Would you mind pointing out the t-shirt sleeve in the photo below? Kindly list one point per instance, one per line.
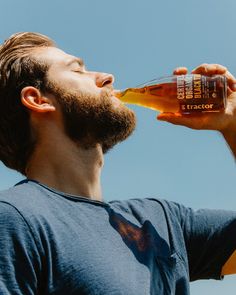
(210, 239)
(19, 257)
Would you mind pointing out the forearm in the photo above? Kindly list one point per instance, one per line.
(230, 138)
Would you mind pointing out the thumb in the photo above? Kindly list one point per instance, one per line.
(196, 121)
(174, 118)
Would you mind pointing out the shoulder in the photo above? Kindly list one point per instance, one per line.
(25, 213)
(16, 232)
(24, 196)
(25, 204)
(22, 190)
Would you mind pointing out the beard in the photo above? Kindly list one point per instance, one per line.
(91, 119)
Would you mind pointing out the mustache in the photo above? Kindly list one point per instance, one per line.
(107, 92)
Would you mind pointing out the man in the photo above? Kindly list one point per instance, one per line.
(58, 236)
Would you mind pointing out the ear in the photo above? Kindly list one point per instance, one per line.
(32, 98)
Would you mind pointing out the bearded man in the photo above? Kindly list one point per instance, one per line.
(58, 235)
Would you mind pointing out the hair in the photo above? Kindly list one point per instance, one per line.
(19, 68)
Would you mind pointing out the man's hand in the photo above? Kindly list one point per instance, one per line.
(224, 121)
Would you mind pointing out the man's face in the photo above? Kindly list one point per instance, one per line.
(91, 113)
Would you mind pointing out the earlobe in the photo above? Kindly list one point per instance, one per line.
(33, 99)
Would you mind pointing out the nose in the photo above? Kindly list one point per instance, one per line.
(104, 79)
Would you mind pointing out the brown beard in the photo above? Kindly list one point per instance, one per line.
(93, 119)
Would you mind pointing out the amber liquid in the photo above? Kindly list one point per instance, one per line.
(192, 94)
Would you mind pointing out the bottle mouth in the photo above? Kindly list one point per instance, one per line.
(117, 93)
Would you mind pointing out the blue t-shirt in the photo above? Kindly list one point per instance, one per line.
(60, 244)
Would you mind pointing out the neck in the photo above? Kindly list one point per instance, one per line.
(68, 168)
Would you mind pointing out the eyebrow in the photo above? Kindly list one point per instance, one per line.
(76, 60)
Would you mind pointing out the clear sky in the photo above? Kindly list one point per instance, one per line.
(139, 40)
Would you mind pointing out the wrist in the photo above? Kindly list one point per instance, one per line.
(230, 138)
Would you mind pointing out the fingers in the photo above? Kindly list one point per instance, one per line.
(210, 69)
(174, 118)
(216, 69)
(180, 71)
(231, 81)
(196, 121)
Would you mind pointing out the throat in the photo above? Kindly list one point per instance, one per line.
(76, 172)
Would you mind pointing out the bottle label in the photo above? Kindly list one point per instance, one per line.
(197, 93)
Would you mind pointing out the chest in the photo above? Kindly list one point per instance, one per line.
(111, 253)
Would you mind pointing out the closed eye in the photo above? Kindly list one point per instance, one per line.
(79, 71)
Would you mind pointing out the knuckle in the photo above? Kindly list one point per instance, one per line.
(204, 65)
(221, 67)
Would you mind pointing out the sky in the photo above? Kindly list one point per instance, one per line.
(137, 41)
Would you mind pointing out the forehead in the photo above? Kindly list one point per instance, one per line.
(53, 56)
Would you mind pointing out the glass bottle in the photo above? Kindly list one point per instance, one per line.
(185, 94)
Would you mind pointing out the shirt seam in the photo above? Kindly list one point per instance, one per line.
(39, 185)
(25, 221)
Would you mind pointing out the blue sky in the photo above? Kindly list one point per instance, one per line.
(137, 41)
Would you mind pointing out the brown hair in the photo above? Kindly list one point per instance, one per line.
(19, 68)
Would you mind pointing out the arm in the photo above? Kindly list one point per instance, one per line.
(230, 138)
(209, 239)
(224, 122)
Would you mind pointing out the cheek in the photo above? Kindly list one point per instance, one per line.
(76, 82)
